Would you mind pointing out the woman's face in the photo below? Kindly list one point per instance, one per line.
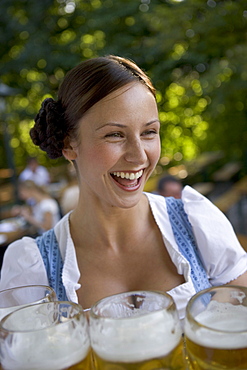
(119, 146)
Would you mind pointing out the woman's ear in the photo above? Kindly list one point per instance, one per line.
(69, 152)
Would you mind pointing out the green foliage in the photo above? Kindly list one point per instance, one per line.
(195, 51)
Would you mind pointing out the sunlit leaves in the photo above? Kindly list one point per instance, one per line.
(15, 51)
(196, 87)
(129, 21)
(62, 22)
(195, 51)
(182, 123)
(66, 37)
(35, 76)
(59, 74)
(20, 15)
(178, 50)
(41, 63)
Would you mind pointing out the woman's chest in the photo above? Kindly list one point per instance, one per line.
(133, 269)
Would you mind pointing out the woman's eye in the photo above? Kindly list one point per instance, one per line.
(114, 134)
(149, 132)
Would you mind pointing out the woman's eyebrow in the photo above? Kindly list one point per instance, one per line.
(114, 124)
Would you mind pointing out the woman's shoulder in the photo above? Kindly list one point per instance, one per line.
(155, 198)
(188, 194)
(62, 233)
(25, 243)
(63, 224)
(24, 250)
(197, 204)
(22, 264)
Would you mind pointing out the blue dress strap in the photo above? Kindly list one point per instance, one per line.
(49, 249)
(184, 237)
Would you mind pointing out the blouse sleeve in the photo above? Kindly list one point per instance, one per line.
(22, 265)
(221, 253)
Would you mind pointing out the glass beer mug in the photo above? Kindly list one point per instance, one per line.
(17, 297)
(137, 330)
(216, 329)
(45, 336)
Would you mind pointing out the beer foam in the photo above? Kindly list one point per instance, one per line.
(135, 339)
(5, 311)
(34, 351)
(223, 326)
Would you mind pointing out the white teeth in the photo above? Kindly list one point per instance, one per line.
(127, 175)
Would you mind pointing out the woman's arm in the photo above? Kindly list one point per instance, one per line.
(241, 280)
(223, 257)
(46, 223)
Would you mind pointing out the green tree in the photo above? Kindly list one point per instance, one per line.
(194, 51)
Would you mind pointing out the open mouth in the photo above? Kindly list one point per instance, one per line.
(127, 179)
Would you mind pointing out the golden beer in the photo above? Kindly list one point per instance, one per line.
(205, 358)
(136, 330)
(172, 361)
(85, 364)
(216, 329)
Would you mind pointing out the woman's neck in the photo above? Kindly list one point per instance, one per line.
(108, 226)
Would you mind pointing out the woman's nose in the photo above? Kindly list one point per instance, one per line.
(135, 152)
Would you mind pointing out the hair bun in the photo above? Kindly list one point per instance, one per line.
(49, 129)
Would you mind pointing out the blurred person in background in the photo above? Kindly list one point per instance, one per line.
(70, 193)
(170, 186)
(41, 211)
(35, 172)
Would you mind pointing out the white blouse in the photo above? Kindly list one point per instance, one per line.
(222, 255)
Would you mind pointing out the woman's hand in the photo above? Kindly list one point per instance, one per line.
(25, 212)
(16, 210)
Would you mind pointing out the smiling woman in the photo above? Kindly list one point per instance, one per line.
(118, 238)
(126, 143)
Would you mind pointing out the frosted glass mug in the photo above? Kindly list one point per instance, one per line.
(45, 336)
(136, 330)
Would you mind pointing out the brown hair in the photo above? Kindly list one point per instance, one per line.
(82, 87)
